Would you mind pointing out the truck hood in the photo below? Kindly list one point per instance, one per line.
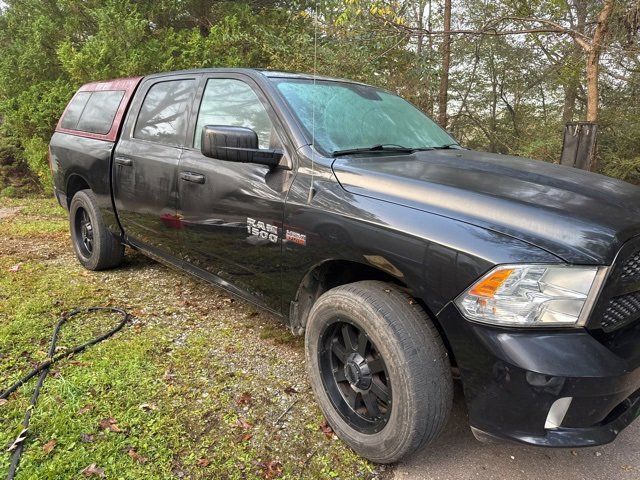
(579, 216)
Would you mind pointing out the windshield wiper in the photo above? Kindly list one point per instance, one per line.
(449, 145)
(376, 148)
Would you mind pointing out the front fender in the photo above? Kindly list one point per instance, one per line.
(434, 256)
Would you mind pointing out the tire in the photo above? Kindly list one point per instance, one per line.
(414, 374)
(94, 244)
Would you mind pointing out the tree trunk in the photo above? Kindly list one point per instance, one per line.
(420, 25)
(569, 107)
(493, 120)
(446, 62)
(593, 60)
(593, 70)
(575, 57)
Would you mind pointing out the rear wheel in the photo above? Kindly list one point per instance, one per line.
(94, 244)
(379, 369)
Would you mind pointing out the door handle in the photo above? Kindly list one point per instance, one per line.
(192, 177)
(126, 162)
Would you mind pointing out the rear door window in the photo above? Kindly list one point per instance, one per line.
(100, 111)
(164, 112)
(74, 110)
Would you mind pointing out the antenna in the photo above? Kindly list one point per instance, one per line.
(313, 104)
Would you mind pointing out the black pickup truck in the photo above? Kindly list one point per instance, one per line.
(405, 260)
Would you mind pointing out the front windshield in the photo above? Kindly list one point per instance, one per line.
(351, 116)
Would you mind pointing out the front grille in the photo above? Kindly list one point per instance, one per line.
(621, 311)
(618, 306)
(631, 267)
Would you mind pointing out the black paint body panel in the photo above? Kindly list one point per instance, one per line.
(74, 156)
(434, 221)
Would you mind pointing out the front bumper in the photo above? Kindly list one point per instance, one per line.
(512, 378)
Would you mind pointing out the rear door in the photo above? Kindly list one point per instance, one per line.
(232, 212)
(145, 169)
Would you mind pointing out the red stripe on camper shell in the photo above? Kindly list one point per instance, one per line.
(128, 85)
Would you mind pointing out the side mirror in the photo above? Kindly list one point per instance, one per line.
(236, 144)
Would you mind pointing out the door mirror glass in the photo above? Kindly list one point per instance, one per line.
(236, 144)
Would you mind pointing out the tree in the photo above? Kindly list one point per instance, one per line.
(446, 65)
(593, 50)
(515, 71)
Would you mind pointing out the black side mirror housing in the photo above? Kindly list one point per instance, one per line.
(236, 144)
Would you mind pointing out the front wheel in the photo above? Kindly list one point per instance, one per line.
(95, 246)
(379, 369)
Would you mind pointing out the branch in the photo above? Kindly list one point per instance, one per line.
(492, 29)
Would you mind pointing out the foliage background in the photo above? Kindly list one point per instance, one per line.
(507, 94)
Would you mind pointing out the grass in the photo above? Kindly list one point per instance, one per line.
(195, 388)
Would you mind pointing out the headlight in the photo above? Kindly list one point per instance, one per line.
(533, 295)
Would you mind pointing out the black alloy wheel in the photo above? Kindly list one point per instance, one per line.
(84, 231)
(355, 376)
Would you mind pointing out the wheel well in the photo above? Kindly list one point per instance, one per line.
(326, 276)
(334, 273)
(74, 185)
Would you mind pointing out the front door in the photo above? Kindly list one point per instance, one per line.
(145, 169)
(231, 213)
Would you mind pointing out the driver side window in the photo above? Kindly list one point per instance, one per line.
(231, 102)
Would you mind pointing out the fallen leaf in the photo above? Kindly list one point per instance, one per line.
(136, 456)
(244, 424)
(326, 429)
(148, 407)
(247, 436)
(204, 462)
(93, 471)
(109, 424)
(272, 469)
(21, 438)
(77, 363)
(15, 268)
(87, 438)
(3, 401)
(49, 446)
(85, 409)
(245, 399)
(290, 391)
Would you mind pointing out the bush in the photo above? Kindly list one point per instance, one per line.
(9, 192)
(35, 153)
